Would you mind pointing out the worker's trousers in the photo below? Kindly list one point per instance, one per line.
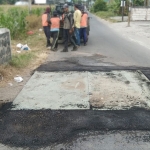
(47, 34)
(55, 35)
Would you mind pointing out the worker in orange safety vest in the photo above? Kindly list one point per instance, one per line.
(46, 25)
(83, 26)
(55, 25)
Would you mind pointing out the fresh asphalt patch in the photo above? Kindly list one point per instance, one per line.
(29, 128)
(75, 66)
(39, 128)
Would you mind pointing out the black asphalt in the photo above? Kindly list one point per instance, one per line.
(38, 128)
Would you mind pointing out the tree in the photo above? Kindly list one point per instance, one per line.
(7, 1)
(100, 5)
(138, 2)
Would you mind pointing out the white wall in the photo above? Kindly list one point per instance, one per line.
(140, 14)
(40, 1)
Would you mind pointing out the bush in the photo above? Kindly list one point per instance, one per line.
(138, 3)
(33, 22)
(37, 11)
(114, 6)
(104, 14)
(15, 20)
(100, 5)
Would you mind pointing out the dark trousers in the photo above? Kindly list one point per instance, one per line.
(77, 35)
(54, 35)
(68, 38)
(47, 34)
(83, 34)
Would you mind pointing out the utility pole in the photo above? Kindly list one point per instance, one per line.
(129, 14)
(122, 4)
(30, 3)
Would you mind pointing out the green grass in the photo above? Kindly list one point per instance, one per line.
(15, 20)
(22, 60)
(106, 15)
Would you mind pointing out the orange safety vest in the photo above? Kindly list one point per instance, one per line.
(44, 20)
(55, 22)
(84, 20)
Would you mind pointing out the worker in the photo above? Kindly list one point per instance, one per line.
(55, 25)
(83, 28)
(68, 29)
(77, 20)
(46, 25)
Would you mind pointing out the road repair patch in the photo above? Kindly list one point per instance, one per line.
(72, 90)
(62, 90)
(28, 128)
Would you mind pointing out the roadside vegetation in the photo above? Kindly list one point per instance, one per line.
(112, 8)
(106, 10)
(20, 23)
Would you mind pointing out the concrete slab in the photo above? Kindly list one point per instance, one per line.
(119, 90)
(115, 90)
(54, 90)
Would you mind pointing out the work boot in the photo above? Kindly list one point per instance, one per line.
(48, 46)
(85, 44)
(64, 50)
(75, 48)
(54, 49)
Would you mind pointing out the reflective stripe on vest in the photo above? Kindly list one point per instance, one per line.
(44, 20)
(55, 23)
(84, 20)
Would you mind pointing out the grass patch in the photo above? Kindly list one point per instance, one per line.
(33, 22)
(106, 15)
(14, 18)
(22, 60)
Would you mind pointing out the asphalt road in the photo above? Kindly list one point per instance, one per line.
(83, 129)
(115, 48)
(106, 48)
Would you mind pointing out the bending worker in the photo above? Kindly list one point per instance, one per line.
(55, 25)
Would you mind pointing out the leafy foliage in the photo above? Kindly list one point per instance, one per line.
(15, 20)
(7, 1)
(138, 3)
(114, 6)
(100, 5)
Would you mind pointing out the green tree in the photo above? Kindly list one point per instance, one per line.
(7, 1)
(138, 2)
(100, 5)
(114, 6)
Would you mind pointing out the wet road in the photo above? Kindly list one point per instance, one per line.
(83, 129)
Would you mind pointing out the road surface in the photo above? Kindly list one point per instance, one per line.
(107, 57)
